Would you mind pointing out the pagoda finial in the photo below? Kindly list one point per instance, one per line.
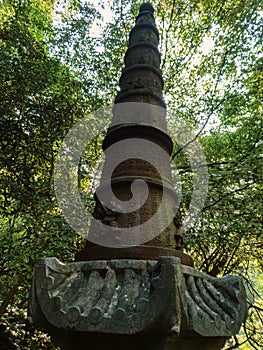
(147, 7)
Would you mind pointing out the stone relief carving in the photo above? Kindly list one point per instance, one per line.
(129, 296)
(104, 214)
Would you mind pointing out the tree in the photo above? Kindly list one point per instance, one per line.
(40, 99)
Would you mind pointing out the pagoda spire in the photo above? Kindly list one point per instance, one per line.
(141, 79)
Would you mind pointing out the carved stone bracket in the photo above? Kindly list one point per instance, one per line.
(216, 306)
(136, 296)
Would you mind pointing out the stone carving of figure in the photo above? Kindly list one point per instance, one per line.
(177, 220)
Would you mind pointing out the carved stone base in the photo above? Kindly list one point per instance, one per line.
(135, 304)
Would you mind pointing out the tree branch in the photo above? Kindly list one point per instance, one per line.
(12, 292)
(166, 34)
(229, 194)
(213, 107)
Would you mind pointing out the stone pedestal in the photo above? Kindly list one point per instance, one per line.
(135, 304)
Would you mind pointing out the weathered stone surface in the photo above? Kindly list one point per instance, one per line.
(141, 79)
(216, 306)
(139, 114)
(118, 296)
(141, 252)
(128, 297)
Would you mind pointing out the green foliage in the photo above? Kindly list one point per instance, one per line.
(54, 70)
(40, 99)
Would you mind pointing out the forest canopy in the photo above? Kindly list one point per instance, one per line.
(59, 61)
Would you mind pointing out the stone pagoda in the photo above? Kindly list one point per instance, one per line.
(132, 287)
